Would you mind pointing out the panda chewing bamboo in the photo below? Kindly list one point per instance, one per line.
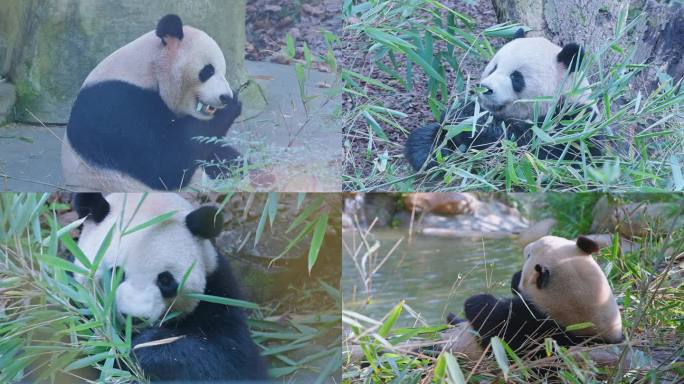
(523, 69)
(206, 341)
(134, 123)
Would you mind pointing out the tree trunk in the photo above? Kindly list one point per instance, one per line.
(658, 35)
(48, 47)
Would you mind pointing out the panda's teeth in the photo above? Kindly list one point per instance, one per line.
(200, 106)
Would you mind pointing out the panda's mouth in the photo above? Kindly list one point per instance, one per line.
(206, 109)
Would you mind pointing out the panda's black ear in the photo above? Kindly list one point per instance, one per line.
(93, 204)
(571, 56)
(205, 222)
(543, 278)
(170, 26)
(587, 245)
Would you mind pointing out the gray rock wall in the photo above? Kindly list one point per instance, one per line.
(47, 47)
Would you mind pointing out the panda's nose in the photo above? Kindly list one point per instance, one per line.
(488, 91)
(226, 98)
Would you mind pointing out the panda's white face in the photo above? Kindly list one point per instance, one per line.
(524, 68)
(566, 282)
(197, 64)
(155, 259)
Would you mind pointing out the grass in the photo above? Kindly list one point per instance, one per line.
(424, 44)
(53, 329)
(647, 283)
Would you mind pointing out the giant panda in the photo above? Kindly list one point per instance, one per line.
(560, 285)
(206, 341)
(133, 122)
(523, 69)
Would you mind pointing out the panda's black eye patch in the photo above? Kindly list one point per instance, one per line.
(517, 81)
(167, 284)
(206, 72)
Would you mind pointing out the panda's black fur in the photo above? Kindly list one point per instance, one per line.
(215, 344)
(122, 127)
(422, 141)
(514, 320)
(214, 340)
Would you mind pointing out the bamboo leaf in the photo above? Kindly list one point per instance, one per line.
(500, 356)
(317, 240)
(390, 320)
(222, 300)
(156, 220)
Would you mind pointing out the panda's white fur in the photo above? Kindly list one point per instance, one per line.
(519, 86)
(577, 292)
(536, 58)
(167, 246)
(206, 341)
(170, 68)
(582, 295)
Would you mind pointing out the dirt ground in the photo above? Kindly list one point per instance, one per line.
(413, 103)
(269, 21)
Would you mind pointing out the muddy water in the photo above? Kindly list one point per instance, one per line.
(434, 275)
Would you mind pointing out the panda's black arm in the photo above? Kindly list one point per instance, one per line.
(217, 153)
(519, 323)
(487, 315)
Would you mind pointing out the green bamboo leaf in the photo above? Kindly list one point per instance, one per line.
(185, 277)
(62, 264)
(391, 319)
(101, 251)
(579, 326)
(374, 125)
(87, 361)
(500, 356)
(317, 240)
(75, 250)
(290, 46)
(334, 364)
(440, 369)
(454, 372)
(222, 300)
(156, 220)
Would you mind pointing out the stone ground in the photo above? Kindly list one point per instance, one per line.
(300, 150)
